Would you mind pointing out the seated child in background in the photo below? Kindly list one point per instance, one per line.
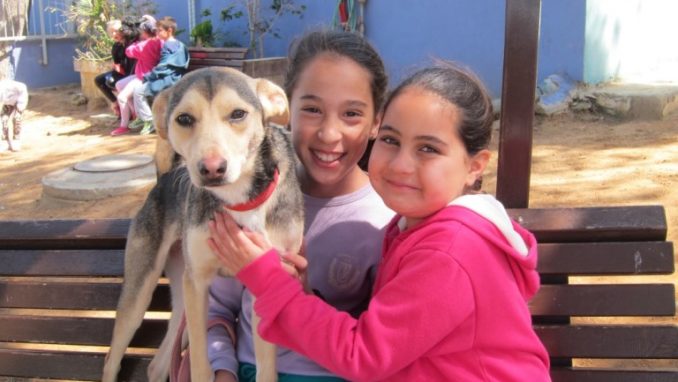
(172, 65)
(122, 65)
(14, 99)
(147, 53)
(450, 298)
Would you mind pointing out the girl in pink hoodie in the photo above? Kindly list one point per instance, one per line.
(450, 297)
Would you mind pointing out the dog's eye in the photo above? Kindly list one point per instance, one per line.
(184, 120)
(237, 115)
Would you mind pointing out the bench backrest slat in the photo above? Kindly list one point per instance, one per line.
(86, 331)
(599, 224)
(604, 300)
(639, 223)
(612, 341)
(64, 234)
(42, 262)
(631, 258)
(71, 295)
(584, 375)
(67, 365)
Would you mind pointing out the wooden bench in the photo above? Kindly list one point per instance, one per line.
(605, 241)
(60, 280)
(206, 57)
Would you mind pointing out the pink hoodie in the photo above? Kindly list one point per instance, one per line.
(449, 304)
(147, 54)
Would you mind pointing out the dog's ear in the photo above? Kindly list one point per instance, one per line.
(274, 102)
(159, 113)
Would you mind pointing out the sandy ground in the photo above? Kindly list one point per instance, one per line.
(57, 135)
(578, 160)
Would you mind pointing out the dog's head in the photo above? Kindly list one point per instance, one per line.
(215, 119)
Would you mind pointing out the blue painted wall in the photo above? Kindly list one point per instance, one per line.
(562, 38)
(409, 35)
(406, 33)
(28, 68)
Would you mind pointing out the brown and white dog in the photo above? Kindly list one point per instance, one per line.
(220, 122)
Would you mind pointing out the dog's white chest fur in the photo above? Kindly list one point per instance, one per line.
(252, 220)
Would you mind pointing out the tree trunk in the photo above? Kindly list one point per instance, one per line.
(13, 17)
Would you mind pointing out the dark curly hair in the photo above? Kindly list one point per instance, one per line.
(130, 29)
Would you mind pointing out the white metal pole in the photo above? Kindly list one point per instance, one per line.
(41, 11)
(191, 16)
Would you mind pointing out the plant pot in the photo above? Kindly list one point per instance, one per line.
(88, 70)
(271, 68)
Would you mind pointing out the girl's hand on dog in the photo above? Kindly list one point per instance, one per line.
(237, 247)
(234, 246)
(295, 265)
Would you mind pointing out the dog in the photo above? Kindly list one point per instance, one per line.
(13, 101)
(221, 123)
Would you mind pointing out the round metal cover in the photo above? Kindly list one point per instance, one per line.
(115, 162)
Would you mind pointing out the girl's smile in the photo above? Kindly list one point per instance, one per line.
(399, 185)
(328, 159)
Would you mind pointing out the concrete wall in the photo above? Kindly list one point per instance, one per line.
(407, 34)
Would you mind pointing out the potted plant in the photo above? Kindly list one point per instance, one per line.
(260, 23)
(93, 52)
(203, 34)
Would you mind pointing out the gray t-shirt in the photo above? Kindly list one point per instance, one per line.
(343, 237)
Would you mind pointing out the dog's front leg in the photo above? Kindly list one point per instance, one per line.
(201, 267)
(265, 354)
(195, 300)
(158, 370)
(143, 267)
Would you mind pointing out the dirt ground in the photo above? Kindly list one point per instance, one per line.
(578, 160)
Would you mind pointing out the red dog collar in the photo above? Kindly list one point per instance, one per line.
(260, 199)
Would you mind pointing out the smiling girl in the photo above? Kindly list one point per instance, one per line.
(336, 84)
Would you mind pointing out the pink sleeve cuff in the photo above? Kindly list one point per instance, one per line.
(262, 273)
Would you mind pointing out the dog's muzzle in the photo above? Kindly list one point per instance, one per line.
(212, 171)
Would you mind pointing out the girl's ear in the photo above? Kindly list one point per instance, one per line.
(374, 129)
(477, 165)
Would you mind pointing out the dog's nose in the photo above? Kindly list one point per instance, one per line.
(212, 168)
